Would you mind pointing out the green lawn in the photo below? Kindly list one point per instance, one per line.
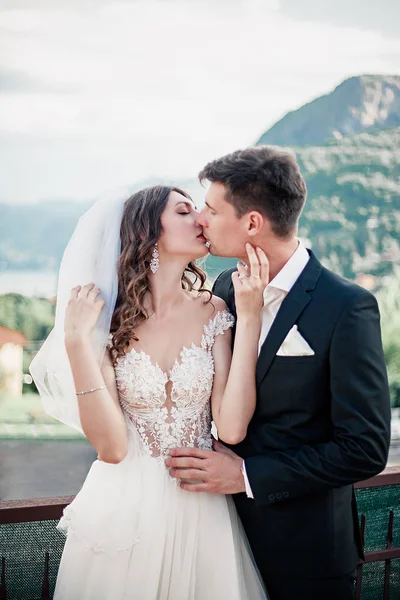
(23, 417)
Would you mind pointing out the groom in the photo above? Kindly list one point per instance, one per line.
(322, 420)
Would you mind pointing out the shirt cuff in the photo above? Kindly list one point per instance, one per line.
(249, 491)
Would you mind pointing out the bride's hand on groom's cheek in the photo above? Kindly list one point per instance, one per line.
(216, 472)
(249, 282)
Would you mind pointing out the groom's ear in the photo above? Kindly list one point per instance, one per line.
(255, 221)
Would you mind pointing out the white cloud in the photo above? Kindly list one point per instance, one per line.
(170, 84)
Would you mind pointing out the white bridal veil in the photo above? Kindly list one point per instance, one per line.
(90, 257)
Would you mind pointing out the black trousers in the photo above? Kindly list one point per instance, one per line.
(296, 588)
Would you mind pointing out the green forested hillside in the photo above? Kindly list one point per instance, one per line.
(352, 215)
(34, 317)
(347, 145)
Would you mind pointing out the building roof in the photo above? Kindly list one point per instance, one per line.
(11, 336)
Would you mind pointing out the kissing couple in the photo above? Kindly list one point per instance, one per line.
(283, 356)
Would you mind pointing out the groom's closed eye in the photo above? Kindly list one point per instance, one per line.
(210, 208)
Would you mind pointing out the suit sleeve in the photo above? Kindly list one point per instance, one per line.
(360, 413)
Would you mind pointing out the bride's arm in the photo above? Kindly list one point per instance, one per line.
(100, 413)
(233, 399)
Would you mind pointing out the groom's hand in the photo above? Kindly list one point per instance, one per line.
(219, 472)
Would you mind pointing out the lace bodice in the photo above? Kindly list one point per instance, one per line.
(171, 411)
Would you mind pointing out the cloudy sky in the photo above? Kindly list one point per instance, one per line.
(98, 94)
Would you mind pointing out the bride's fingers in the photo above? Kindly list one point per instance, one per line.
(262, 257)
(235, 280)
(85, 290)
(75, 291)
(241, 270)
(253, 261)
(92, 295)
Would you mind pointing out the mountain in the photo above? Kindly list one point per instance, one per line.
(352, 213)
(347, 144)
(348, 147)
(358, 104)
(33, 236)
(351, 218)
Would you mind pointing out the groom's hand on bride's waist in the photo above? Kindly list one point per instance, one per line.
(216, 472)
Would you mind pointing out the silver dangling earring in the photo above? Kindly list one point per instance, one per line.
(155, 261)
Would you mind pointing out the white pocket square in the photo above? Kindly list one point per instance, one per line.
(295, 345)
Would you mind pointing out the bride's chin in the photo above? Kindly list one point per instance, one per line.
(200, 254)
(205, 253)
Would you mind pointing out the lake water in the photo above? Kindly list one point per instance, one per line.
(29, 283)
(44, 283)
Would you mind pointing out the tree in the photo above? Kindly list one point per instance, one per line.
(34, 317)
(389, 303)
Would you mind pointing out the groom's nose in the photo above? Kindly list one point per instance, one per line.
(200, 219)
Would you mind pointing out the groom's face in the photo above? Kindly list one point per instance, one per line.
(224, 230)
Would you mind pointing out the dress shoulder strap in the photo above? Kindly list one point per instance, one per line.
(222, 321)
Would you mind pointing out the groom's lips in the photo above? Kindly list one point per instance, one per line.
(201, 237)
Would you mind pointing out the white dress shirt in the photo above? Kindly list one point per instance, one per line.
(274, 294)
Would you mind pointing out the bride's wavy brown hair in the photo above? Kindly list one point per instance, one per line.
(140, 230)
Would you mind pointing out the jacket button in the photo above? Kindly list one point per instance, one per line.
(271, 497)
(286, 494)
(278, 496)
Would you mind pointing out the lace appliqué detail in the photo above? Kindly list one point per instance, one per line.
(181, 416)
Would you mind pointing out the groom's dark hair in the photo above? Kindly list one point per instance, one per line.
(262, 178)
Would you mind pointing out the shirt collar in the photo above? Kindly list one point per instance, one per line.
(288, 275)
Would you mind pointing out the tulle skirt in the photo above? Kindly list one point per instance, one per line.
(134, 534)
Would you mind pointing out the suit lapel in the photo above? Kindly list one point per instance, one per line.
(291, 308)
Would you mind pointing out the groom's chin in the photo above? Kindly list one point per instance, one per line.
(217, 252)
(213, 251)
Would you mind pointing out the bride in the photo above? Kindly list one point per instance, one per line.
(140, 360)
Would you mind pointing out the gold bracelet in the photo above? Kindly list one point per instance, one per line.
(90, 391)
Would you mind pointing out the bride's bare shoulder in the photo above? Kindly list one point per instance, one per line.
(210, 306)
(219, 304)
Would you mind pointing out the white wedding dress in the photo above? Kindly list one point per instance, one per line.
(132, 532)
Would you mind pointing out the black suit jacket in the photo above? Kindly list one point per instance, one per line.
(321, 423)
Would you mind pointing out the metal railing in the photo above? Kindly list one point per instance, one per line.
(391, 476)
(45, 509)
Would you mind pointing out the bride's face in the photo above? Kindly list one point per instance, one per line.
(181, 235)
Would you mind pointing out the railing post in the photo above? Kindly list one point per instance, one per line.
(3, 588)
(360, 565)
(45, 585)
(389, 544)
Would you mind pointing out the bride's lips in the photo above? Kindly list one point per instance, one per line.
(201, 237)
